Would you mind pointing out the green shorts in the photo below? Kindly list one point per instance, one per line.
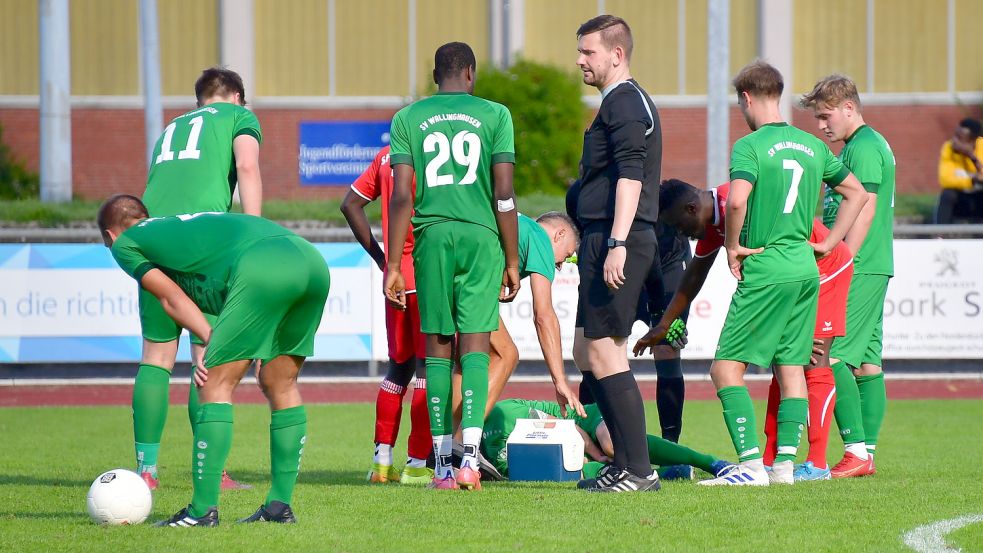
(770, 324)
(157, 326)
(458, 278)
(864, 322)
(276, 297)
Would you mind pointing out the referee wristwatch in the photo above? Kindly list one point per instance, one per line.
(615, 243)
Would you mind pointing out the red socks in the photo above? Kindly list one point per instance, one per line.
(420, 442)
(822, 398)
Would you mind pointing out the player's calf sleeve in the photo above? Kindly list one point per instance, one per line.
(474, 389)
(418, 446)
(621, 390)
(847, 411)
(822, 400)
(792, 413)
(388, 411)
(439, 395)
(771, 422)
(739, 417)
(213, 440)
(873, 406)
(150, 395)
(670, 392)
(288, 434)
(588, 384)
(194, 406)
(664, 453)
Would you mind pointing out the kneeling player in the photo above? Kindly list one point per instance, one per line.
(835, 273)
(597, 438)
(220, 263)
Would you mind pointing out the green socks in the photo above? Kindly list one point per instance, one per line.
(662, 452)
(194, 407)
(873, 405)
(792, 415)
(150, 395)
(288, 434)
(474, 389)
(739, 416)
(847, 410)
(439, 395)
(213, 440)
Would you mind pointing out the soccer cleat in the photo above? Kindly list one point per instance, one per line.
(738, 475)
(605, 476)
(718, 467)
(485, 467)
(677, 472)
(851, 466)
(872, 470)
(381, 474)
(807, 471)
(182, 519)
(416, 475)
(447, 483)
(469, 479)
(277, 511)
(781, 473)
(151, 482)
(229, 484)
(625, 481)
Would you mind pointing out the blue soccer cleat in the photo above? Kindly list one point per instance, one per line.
(807, 471)
(677, 472)
(718, 466)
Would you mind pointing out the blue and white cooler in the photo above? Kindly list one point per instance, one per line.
(545, 449)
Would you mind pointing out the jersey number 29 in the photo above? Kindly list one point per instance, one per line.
(190, 150)
(465, 148)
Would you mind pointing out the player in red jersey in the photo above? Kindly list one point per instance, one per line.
(700, 214)
(835, 274)
(406, 344)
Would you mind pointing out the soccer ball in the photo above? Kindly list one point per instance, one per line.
(119, 496)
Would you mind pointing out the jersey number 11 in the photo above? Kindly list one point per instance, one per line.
(190, 150)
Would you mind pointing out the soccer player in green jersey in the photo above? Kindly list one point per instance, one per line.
(776, 174)
(461, 150)
(861, 397)
(267, 288)
(195, 167)
(598, 444)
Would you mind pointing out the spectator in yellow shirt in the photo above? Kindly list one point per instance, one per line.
(960, 171)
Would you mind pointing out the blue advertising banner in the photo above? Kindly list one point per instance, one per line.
(335, 153)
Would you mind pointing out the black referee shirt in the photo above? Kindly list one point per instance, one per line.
(623, 141)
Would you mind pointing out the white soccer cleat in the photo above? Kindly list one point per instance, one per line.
(782, 473)
(738, 475)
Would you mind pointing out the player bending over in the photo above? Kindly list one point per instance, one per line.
(220, 263)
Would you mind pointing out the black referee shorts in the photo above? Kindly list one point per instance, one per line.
(601, 311)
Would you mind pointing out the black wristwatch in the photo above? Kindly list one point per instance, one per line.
(615, 243)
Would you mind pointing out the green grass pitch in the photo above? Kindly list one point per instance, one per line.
(928, 470)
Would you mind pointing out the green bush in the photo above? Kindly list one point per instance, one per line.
(549, 117)
(16, 182)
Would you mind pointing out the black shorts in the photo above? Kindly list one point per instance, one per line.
(601, 311)
(675, 255)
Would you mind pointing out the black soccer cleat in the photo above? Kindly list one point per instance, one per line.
(625, 481)
(182, 519)
(276, 512)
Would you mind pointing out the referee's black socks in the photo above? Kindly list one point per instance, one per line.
(625, 418)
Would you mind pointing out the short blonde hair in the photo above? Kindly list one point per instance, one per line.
(830, 92)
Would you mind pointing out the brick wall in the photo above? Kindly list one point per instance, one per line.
(108, 144)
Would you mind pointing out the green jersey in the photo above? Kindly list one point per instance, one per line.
(786, 167)
(501, 422)
(868, 156)
(192, 169)
(535, 251)
(197, 251)
(452, 140)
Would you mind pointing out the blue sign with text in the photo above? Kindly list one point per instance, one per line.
(336, 152)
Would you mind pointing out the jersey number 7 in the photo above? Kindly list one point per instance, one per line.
(793, 191)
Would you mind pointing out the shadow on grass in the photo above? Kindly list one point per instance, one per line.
(80, 516)
(330, 477)
(32, 480)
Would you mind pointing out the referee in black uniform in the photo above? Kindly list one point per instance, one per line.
(618, 207)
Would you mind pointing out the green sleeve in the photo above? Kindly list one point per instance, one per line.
(743, 161)
(399, 141)
(248, 124)
(535, 251)
(868, 167)
(833, 169)
(593, 420)
(503, 149)
(128, 256)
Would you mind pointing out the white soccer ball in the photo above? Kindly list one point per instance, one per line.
(119, 496)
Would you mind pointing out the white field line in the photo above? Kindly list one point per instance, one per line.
(930, 538)
(375, 379)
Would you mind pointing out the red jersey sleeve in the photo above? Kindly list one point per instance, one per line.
(367, 184)
(713, 237)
